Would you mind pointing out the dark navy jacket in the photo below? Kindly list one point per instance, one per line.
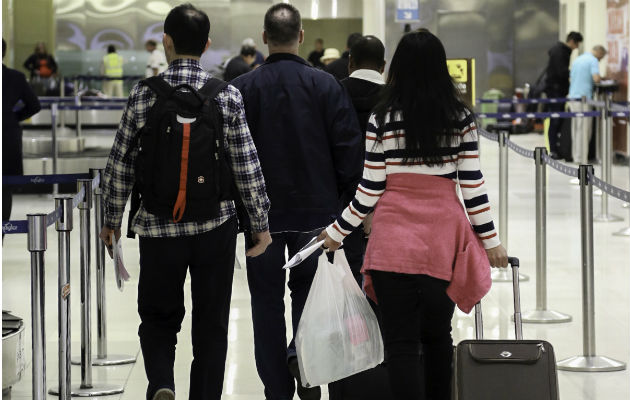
(308, 140)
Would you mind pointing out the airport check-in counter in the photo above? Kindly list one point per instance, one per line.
(80, 146)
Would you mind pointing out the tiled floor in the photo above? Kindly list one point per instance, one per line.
(612, 269)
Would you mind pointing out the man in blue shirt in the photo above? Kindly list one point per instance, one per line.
(584, 74)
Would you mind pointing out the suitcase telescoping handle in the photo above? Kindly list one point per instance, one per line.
(518, 323)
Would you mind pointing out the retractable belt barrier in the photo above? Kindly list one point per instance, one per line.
(589, 360)
(35, 226)
(560, 114)
(558, 100)
(77, 100)
(104, 78)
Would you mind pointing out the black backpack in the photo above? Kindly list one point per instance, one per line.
(182, 173)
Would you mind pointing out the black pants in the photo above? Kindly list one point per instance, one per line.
(555, 127)
(416, 312)
(164, 263)
(266, 280)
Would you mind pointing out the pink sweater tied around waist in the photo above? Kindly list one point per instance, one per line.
(420, 227)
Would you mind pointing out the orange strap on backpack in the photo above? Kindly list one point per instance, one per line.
(180, 204)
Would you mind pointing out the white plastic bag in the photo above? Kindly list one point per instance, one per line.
(338, 334)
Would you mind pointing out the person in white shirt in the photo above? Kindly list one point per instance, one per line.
(156, 63)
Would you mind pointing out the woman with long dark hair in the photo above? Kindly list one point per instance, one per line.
(426, 251)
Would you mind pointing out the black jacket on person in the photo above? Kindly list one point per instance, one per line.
(558, 70)
(339, 67)
(235, 68)
(18, 103)
(315, 59)
(33, 63)
(308, 141)
(364, 95)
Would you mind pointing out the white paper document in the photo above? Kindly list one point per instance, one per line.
(303, 254)
(120, 271)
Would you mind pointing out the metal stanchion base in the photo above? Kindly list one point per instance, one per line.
(545, 317)
(505, 275)
(591, 364)
(623, 232)
(111, 359)
(607, 218)
(96, 390)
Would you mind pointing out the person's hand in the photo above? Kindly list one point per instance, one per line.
(262, 240)
(106, 237)
(367, 224)
(497, 256)
(329, 244)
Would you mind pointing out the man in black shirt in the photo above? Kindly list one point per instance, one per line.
(240, 64)
(314, 57)
(339, 68)
(558, 83)
(18, 103)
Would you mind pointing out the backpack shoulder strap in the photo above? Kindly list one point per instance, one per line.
(213, 87)
(159, 86)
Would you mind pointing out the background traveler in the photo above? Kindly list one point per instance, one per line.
(240, 64)
(310, 150)
(421, 140)
(584, 74)
(112, 67)
(205, 247)
(18, 103)
(315, 55)
(557, 84)
(40, 63)
(339, 68)
(156, 64)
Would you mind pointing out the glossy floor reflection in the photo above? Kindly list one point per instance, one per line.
(612, 269)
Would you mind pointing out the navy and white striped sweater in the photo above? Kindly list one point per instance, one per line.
(384, 157)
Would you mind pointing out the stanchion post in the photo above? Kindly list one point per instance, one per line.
(87, 387)
(589, 360)
(101, 311)
(37, 247)
(64, 227)
(502, 274)
(86, 285)
(606, 161)
(54, 112)
(626, 231)
(542, 314)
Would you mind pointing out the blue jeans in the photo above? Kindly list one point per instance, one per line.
(266, 280)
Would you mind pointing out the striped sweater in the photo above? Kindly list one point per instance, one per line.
(383, 157)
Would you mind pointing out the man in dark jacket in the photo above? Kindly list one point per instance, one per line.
(18, 103)
(367, 63)
(557, 84)
(309, 144)
(339, 68)
(240, 64)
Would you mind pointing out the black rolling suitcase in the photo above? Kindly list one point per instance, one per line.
(506, 369)
(565, 141)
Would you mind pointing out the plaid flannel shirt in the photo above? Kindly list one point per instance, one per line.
(119, 174)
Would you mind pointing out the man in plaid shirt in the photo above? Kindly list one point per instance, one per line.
(168, 249)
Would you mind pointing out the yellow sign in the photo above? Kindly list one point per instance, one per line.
(458, 69)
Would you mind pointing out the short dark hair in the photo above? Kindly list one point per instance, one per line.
(189, 28)
(283, 23)
(151, 42)
(368, 52)
(111, 49)
(353, 38)
(248, 51)
(575, 36)
(319, 40)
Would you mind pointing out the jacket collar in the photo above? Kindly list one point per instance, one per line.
(184, 63)
(368, 75)
(285, 56)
